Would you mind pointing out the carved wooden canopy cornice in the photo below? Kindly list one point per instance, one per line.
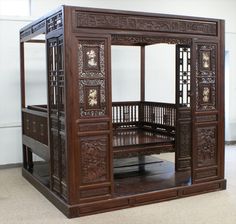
(150, 23)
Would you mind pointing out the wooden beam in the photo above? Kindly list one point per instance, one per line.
(36, 41)
(142, 78)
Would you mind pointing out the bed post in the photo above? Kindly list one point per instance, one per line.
(141, 158)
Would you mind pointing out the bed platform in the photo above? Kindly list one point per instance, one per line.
(98, 155)
(138, 129)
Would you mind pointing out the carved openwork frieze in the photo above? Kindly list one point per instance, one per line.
(206, 146)
(206, 77)
(143, 23)
(146, 40)
(93, 159)
(54, 22)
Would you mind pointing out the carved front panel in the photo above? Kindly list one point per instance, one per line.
(143, 23)
(92, 78)
(206, 146)
(94, 155)
(206, 77)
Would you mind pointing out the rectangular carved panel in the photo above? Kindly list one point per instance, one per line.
(206, 173)
(94, 152)
(205, 118)
(143, 23)
(206, 146)
(92, 78)
(98, 126)
(35, 126)
(94, 192)
(206, 77)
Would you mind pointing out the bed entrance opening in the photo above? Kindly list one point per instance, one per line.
(144, 117)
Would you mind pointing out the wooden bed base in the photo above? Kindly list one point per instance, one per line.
(85, 139)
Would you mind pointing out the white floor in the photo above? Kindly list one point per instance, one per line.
(21, 203)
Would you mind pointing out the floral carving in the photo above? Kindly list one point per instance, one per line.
(94, 159)
(206, 147)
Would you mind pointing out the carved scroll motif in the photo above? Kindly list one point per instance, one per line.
(143, 23)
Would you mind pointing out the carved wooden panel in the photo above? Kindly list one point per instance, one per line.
(94, 158)
(92, 78)
(206, 146)
(143, 23)
(121, 39)
(94, 192)
(35, 126)
(206, 173)
(206, 118)
(206, 77)
(54, 22)
(185, 139)
(98, 126)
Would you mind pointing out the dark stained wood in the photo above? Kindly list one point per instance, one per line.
(87, 134)
(158, 175)
(142, 78)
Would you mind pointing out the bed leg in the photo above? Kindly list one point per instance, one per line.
(29, 159)
(25, 160)
(141, 160)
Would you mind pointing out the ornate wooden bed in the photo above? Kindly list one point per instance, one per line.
(80, 133)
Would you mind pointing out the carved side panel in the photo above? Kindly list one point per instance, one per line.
(93, 117)
(206, 77)
(206, 113)
(92, 79)
(206, 146)
(94, 151)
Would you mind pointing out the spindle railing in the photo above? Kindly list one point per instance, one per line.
(154, 115)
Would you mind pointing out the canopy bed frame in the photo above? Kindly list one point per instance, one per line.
(81, 133)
